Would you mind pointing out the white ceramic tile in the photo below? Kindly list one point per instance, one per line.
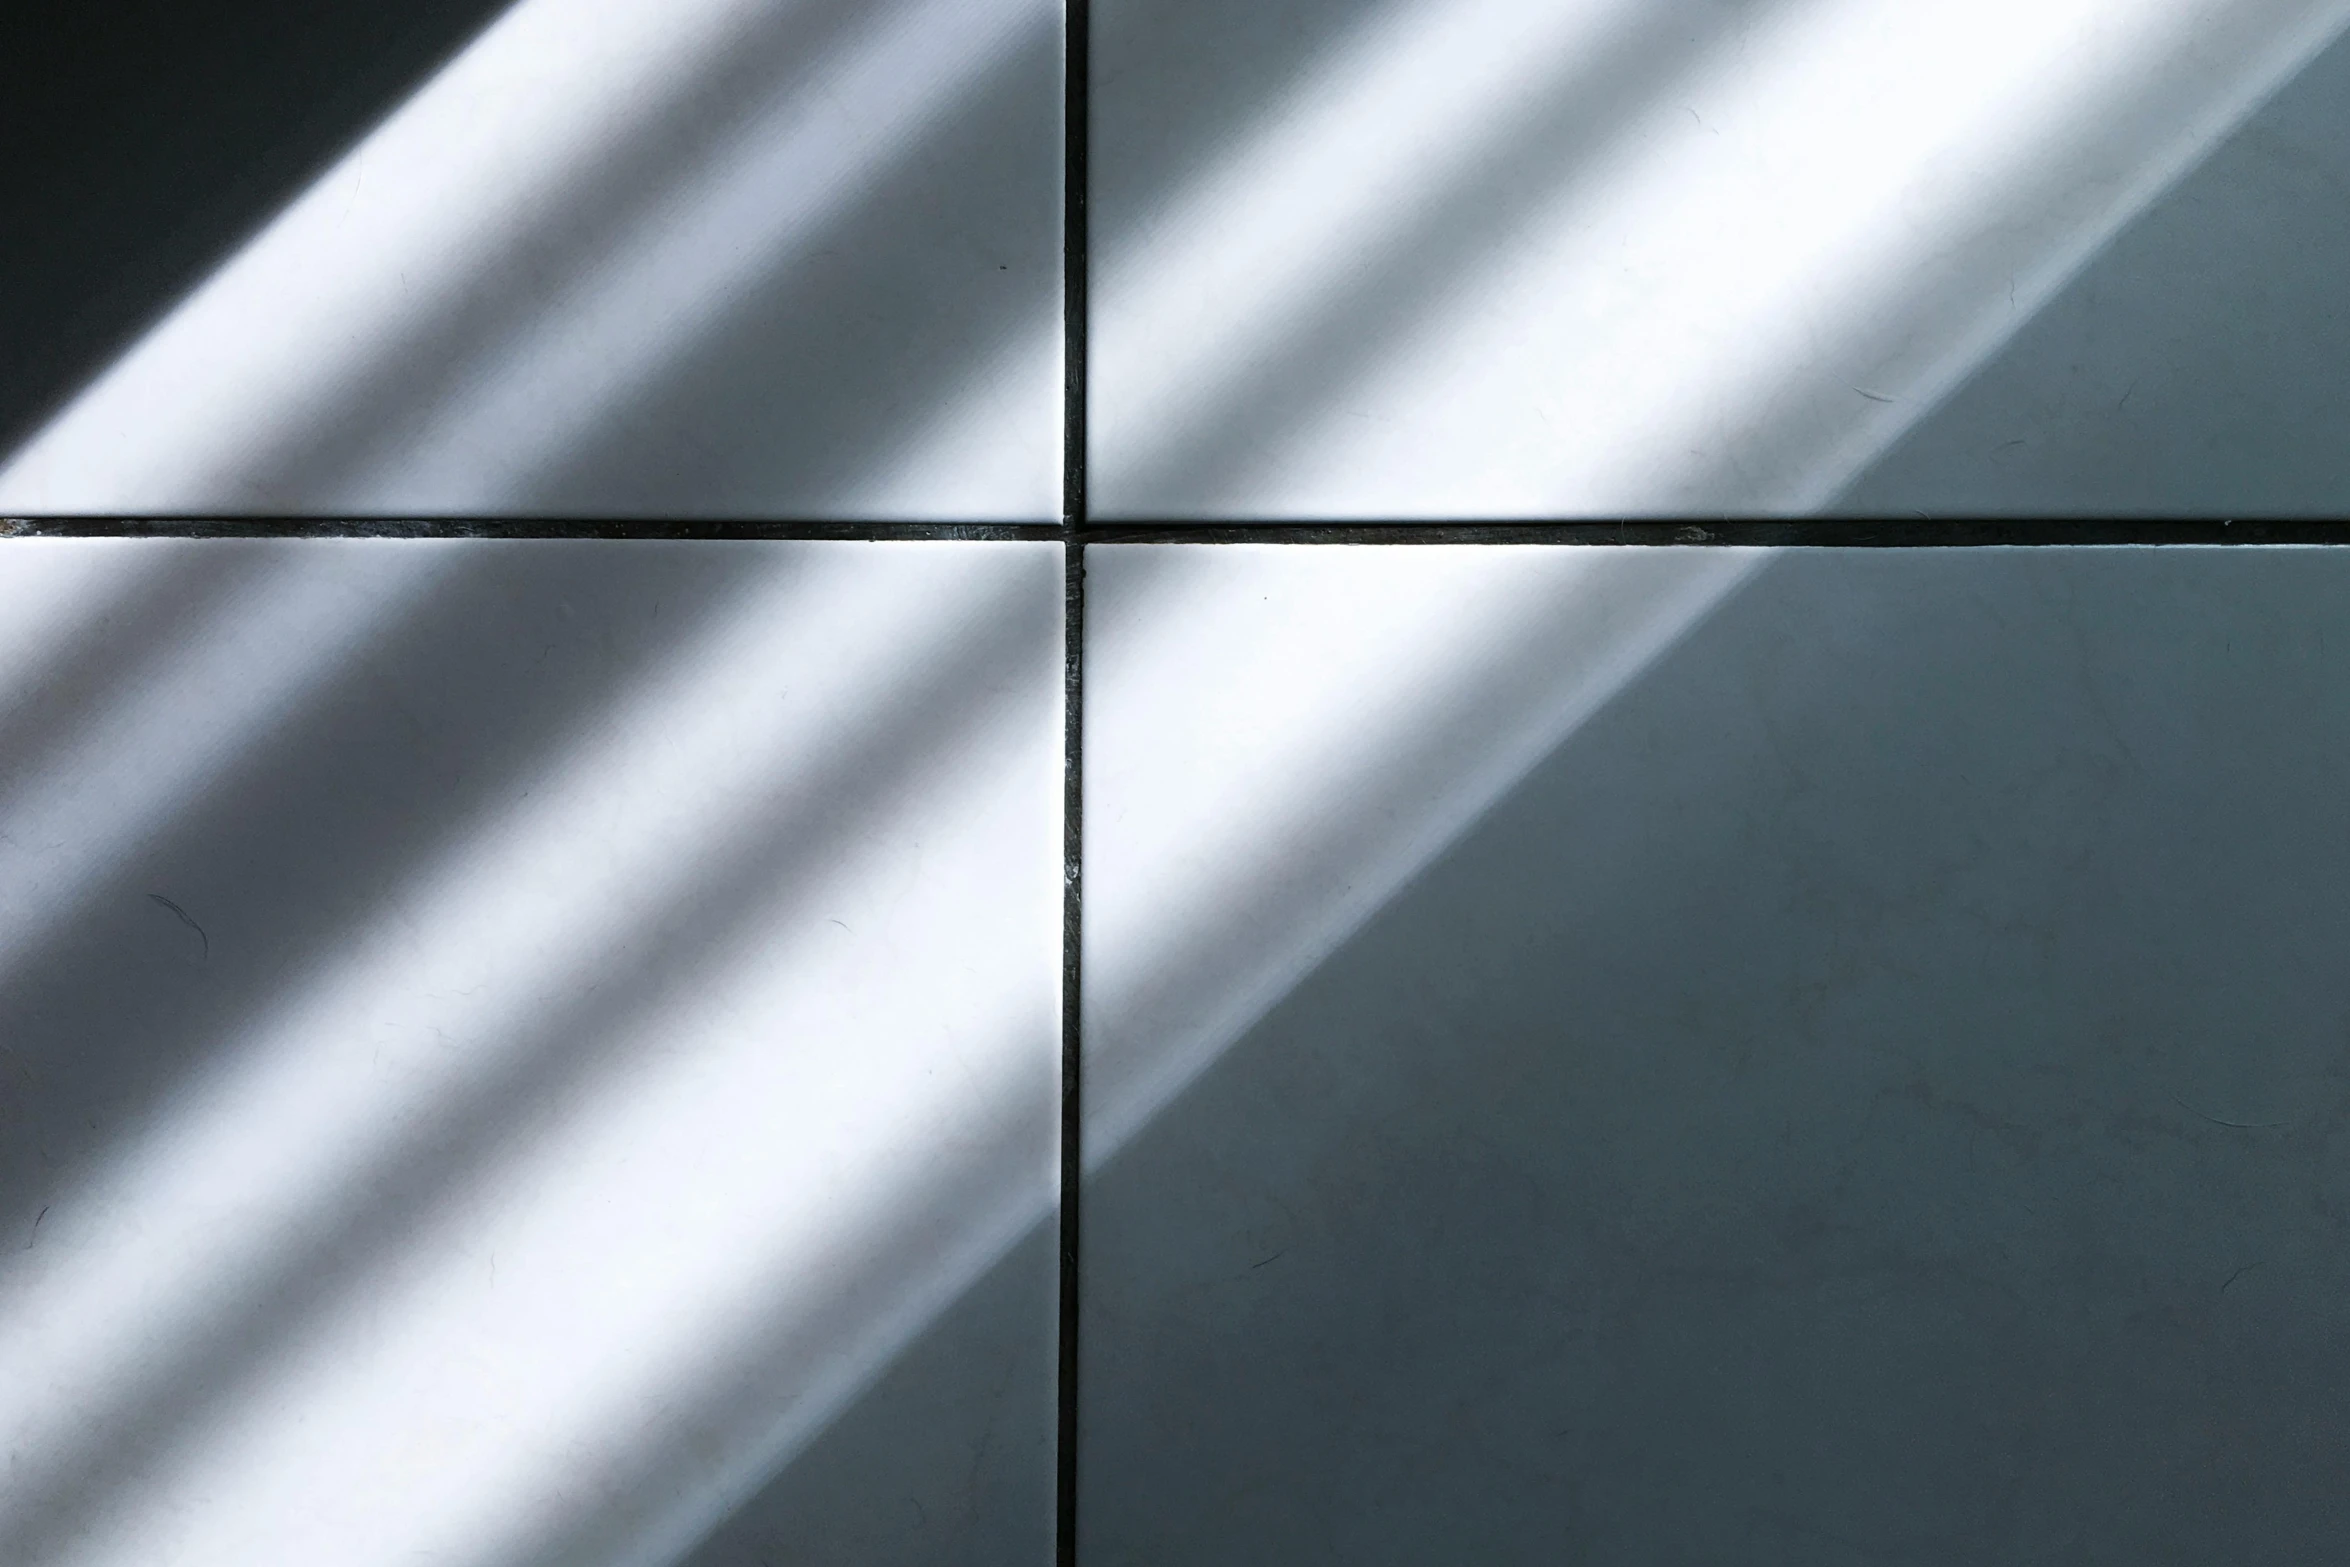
(2194, 366)
(528, 1052)
(1669, 1055)
(633, 258)
(1485, 258)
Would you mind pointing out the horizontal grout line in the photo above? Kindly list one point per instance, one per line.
(1811, 533)
(517, 528)
(1819, 533)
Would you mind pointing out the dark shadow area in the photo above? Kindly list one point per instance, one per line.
(1358, 317)
(662, 950)
(2200, 365)
(1875, 1094)
(141, 140)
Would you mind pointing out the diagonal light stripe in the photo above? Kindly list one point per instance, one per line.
(772, 1112)
(461, 185)
(1727, 300)
(1340, 716)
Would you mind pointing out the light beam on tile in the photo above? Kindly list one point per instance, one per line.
(756, 1136)
(1192, 295)
(1727, 301)
(448, 189)
(768, 195)
(1279, 738)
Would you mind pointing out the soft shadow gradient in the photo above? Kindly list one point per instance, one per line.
(2194, 368)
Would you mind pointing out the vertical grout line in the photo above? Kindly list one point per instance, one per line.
(1075, 124)
(1075, 251)
(1072, 1121)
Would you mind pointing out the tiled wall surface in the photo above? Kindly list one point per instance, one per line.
(1846, 1062)
(552, 1051)
(1436, 259)
(511, 1045)
(637, 258)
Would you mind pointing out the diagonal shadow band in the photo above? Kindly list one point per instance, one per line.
(382, 403)
(321, 821)
(1179, 82)
(1357, 317)
(1429, 748)
(1789, 440)
(252, 160)
(877, 319)
(961, 687)
(946, 1457)
(957, 1373)
(141, 623)
(831, 312)
(877, 1483)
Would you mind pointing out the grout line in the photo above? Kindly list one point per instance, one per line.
(1072, 1057)
(1076, 126)
(1832, 533)
(1076, 254)
(516, 528)
(1076, 531)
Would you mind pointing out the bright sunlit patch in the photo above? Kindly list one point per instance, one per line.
(1800, 235)
(1760, 287)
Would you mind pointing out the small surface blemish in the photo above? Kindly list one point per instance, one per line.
(182, 916)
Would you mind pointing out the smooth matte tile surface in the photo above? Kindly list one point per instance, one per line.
(1482, 258)
(636, 258)
(511, 1047)
(1835, 1057)
(2197, 365)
